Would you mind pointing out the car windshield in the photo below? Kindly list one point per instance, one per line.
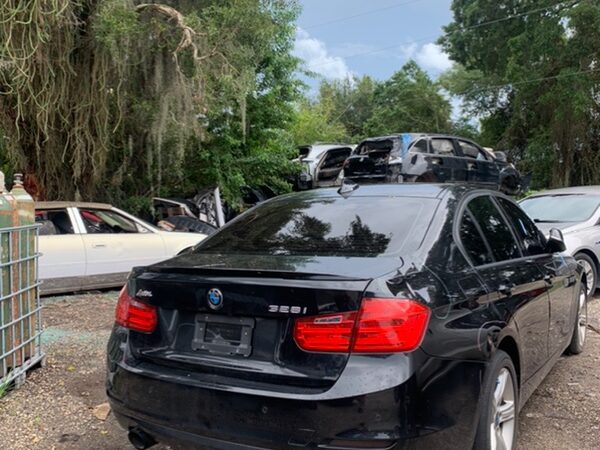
(325, 226)
(561, 208)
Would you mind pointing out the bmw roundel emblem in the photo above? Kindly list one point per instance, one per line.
(215, 298)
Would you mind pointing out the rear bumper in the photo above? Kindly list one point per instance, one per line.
(435, 408)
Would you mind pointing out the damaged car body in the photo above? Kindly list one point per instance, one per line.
(321, 164)
(384, 318)
(419, 157)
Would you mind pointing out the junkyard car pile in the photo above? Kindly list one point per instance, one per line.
(408, 157)
(384, 316)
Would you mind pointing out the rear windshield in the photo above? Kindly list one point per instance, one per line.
(332, 226)
(561, 208)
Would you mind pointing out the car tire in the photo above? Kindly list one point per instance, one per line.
(498, 405)
(591, 273)
(580, 327)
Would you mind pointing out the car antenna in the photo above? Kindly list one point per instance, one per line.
(347, 188)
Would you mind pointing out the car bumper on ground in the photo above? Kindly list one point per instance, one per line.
(425, 413)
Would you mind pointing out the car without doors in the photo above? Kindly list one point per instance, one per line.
(576, 212)
(418, 157)
(94, 245)
(321, 164)
(379, 317)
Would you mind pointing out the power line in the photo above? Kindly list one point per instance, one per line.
(528, 81)
(471, 27)
(365, 13)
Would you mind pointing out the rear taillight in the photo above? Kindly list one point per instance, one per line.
(135, 315)
(326, 333)
(381, 325)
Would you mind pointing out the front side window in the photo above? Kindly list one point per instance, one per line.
(471, 151)
(100, 221)
(531, 238)
(495, 230)
(444, 147)
(420, 146)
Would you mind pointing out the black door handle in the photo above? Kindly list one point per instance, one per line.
(548, 279)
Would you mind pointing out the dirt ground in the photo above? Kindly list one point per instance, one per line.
(54, 409)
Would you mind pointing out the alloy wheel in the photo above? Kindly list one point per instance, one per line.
(502, 427)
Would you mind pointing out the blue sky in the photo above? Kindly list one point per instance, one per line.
(377, 42)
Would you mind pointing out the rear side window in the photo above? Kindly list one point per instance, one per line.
(443, 147)
(303, 225)
(495, 230)
(476, 247)
(529, 235)
(53, 221)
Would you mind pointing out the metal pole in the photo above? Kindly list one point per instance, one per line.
(219, 208)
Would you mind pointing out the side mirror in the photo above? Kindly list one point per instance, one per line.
(556, 242)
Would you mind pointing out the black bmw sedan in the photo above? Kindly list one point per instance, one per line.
(382, 317)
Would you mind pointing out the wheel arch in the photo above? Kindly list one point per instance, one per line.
(510, 347)
(590, 254)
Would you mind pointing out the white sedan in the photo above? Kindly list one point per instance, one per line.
(94, 245)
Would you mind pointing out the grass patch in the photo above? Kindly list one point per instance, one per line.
(4, 385)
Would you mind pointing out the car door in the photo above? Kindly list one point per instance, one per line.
(331, 165)
(444, 161)
(62, 264)
(115, 243)
(555, 269)
(480, 168)
(516, 286)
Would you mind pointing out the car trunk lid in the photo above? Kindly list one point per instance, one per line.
(247, 335)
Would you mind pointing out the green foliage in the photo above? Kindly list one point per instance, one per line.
(351, 101)
(409, 101)
(317, 122)
(121, 100)
(5, 385)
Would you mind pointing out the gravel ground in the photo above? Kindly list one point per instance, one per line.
(55, 407)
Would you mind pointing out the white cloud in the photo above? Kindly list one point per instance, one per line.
(431, 57)
(408, 51)
(314, 52)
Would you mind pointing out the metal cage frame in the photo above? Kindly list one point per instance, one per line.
(21, 333)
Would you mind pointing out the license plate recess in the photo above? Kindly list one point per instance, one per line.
(222, 335)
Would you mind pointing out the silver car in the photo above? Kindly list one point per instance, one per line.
(321, 164)
(576, 212)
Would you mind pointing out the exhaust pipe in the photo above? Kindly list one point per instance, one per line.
(140, 439)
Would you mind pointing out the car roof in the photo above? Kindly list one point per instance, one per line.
(414, 136)
(423, 190)
(583, 190)
(318, 148)
(61, 205)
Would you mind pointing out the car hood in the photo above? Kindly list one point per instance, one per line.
(565, 227)
(351, 267)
